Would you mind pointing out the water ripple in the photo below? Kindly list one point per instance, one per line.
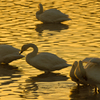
(72, 40)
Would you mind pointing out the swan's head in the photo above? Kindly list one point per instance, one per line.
(40, 6)
(75, 64)
(24, 48)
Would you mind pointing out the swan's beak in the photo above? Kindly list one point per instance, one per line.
(20, 52)
(69, 65)
(69, 19)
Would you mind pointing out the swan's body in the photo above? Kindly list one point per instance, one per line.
(75, 74)
(51, 15)
(92, 73)
(44, 61)
(9, 54)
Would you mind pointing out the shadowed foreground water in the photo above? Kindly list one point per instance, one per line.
(71, 40)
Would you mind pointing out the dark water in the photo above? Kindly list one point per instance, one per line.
(72, 40)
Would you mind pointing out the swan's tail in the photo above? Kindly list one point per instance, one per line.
(61, 66)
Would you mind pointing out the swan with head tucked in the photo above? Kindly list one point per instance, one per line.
(75, 74)
(91, 72)
(8, 54)
(80, 73)
(43, 61)
(51, 15)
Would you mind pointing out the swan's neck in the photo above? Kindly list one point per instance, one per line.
(82, 70)
(73, 68)
(40, 11)
(41, 8)
(33, 53)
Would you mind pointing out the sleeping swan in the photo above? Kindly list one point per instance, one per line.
(75, 74)
(51, 15)
(8, 54)
(91, 72)
(43, 61)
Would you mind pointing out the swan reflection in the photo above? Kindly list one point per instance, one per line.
(49, 77)
(9, 53)
(29, 90)
(83, 93)
(51, 27)
(7, 72)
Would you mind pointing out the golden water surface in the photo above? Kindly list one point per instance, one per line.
(71, 40)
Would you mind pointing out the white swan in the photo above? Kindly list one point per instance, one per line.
(75, 74)
(8, 54)
(91, 73)
(43, 61)
(51, 15)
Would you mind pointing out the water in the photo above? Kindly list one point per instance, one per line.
(72, 40)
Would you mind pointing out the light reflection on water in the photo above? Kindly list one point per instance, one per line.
(72, 40)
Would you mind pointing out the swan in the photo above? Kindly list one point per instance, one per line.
(51, 15)
(43, 61)
(91, 73)
(8, 54)
(74, 70)
(49, 77)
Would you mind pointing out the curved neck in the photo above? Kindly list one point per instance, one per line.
(34, 52)
(82, 70)
(73, 68)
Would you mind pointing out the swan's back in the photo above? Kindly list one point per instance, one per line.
(9, 53)
(93, 72)
(53, 15)
(8, 49)
(47, 61)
